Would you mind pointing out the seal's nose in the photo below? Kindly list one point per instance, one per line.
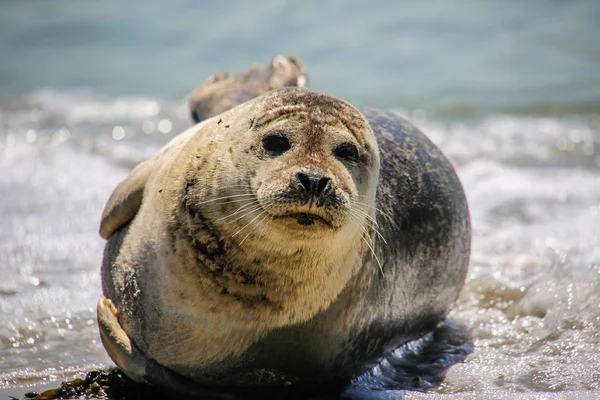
(311, 183)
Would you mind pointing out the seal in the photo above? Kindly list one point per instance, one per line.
(224, 90)
(293, 241)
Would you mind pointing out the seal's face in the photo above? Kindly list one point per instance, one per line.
(309, 172)
(279, 175)
(315, 163)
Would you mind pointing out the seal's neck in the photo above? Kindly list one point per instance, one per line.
(268, 278)
(299, 278)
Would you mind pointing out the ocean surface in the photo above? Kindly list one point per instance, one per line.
(509, 90)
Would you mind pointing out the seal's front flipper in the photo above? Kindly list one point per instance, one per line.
(116, 342)
(125, 200)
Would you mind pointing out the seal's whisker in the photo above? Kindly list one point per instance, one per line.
(363, 229)
(256, 208)
(242, 208)
(352, 201)
(251, 221)
(374, 255)
(358, 228)
(225, 197)
(229, 202)
(378, 210)
(257, 224)
(371, 207)
(363, 196)
(367, 215)
(369, 244)
(370, 220)
(371, 225)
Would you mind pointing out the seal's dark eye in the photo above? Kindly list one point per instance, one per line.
(276, 143)
(346, 152)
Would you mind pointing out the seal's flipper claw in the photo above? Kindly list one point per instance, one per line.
(118, 345)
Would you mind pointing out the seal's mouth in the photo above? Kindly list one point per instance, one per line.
(306, 219)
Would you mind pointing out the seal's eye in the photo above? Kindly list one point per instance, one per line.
(276, 143)
(346, 152)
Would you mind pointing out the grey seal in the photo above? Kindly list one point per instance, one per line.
(292, 239)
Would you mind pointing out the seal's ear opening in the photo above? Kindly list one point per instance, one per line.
(125, 200)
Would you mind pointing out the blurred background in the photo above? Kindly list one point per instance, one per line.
(452, 57)
(509, 90)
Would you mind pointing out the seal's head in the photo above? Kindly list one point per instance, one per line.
(310, 167)
(224, 90)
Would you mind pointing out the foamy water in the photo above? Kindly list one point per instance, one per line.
(531, 300)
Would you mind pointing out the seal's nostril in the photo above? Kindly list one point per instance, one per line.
(304, 182)
(323, 186)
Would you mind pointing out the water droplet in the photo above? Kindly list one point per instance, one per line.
(148, 126)
(165, 126)
(64, 134)
(152, 108)
(31, 136)
(562, 143)
(118, 132)
(60, 136)
(575, 135)
(11, 139)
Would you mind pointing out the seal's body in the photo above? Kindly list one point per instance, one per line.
(225, 90)
(291, 239)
